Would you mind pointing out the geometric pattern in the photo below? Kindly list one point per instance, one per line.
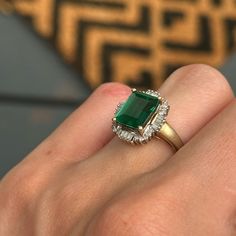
(137, 42)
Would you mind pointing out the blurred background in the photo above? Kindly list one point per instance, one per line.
(54, 53)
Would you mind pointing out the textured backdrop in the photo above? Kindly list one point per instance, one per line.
(138, 42)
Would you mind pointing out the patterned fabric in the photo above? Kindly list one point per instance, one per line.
(137, 42)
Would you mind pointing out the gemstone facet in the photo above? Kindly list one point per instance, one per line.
(137, 110)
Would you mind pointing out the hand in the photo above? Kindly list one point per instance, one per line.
(83, 181)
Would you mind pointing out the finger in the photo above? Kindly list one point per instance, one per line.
(210, 156)
(196, 94)
(86, 130)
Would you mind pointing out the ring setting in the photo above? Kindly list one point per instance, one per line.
(141, 117)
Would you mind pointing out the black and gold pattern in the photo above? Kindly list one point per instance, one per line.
(138, 42)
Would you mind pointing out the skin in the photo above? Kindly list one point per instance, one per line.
(82, 180)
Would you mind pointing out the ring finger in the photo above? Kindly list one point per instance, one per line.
(196, 94)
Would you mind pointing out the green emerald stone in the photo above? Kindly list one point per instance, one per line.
(137, 110)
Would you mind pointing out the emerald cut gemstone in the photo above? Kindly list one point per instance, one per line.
(137, 110)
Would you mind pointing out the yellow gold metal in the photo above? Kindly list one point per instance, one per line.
(141, 129)
(168, 134)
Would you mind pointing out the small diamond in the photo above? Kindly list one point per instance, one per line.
(162, 113)
(114, 129)
(152, 92)
(136, 139)
(123, 134)
(119, 132)
(164, 105)
(158, 120)
(148, 131)
(161, 117)
(129, 137)
(141, 140)
(126, 135)
(155, 126)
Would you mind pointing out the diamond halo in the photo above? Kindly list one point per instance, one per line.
(151, 129)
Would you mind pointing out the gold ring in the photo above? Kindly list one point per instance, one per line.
(142, 117)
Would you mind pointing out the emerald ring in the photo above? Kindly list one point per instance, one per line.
(142, 117)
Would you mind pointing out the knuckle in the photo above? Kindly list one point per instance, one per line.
(18, 188)
(50, 212)
(115, 220)
(57, 196)
(137, 217)
(204, 76)
(113, 89)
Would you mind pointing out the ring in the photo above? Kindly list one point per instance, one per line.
(142, 117)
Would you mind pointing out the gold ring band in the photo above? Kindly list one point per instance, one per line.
(168, 134)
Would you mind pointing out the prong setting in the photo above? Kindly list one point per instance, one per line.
(140, 129)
